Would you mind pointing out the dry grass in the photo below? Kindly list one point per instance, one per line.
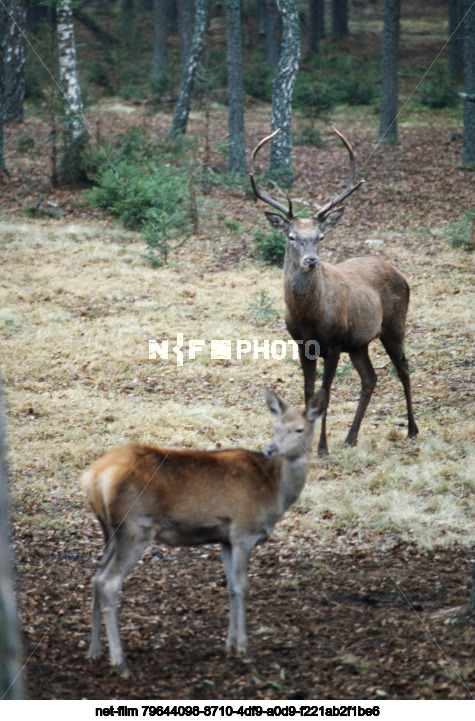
(79, 305)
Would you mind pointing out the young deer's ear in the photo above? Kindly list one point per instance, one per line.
(276, 405)
(315, 406)
(277, 221)
(332, 219)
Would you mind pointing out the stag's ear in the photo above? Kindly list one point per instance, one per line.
(277, 221)
(276, 405)
(315, 406)
(332, 219)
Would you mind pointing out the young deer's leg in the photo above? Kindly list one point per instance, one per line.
(395, 350)
(363, 365)
(128, 549)
(329, 368)
(95, 645)
(226, 557)
(238, 587)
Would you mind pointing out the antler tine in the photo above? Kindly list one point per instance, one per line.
(261, 194)
(350, 187)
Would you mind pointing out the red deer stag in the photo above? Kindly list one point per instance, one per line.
(183, 497)
(340, 307)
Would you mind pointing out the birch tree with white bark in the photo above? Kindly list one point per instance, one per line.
(72, 166)
(282, 89)
(16, 57)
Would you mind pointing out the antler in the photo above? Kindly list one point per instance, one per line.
(261, 194)
(350, 187)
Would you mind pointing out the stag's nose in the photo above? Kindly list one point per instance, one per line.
(311, 261)
(271, 449)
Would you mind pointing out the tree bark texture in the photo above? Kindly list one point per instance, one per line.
(182, 108)
(186, 10)
(389, 72)
(315, 26)
(339, 29)
(237, 147)
(282, 89)
(3, 77)
(74, 127)
(16, 56)
(468, 146)
(160, 37)
(11, 686)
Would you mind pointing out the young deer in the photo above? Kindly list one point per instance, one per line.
(341, 307)
(232, 497)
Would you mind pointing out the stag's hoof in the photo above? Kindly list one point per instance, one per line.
(94, 654)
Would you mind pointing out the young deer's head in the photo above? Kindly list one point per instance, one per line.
(293, 429)
(304, 235)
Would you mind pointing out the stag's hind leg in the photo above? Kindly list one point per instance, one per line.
(395, 350)
(363, 365)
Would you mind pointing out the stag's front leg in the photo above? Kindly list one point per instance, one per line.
(363, 365)
(329, 368)
(309, 368)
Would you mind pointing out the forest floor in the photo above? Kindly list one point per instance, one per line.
(362, 591)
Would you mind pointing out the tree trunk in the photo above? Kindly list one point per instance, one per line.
(471, 602)
(237, 148)
(282, 89)
(160, 37)
(127, 12)
(389, 72)
(315, 26)
(3, 78)
(468, 148)
(74, 141)
(186, 9)
(271, 28)
(339, 28)
(182, 109)
(11, 686)
(455, 39)
(16, 62)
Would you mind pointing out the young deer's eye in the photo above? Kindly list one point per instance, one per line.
(292, 236)
(299, 430)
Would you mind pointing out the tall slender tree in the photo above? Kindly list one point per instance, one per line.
(315, 26)
(3, 77)
(16, 61)
(389, 72)
(282, 89)
(182, 108)
(11, 685)
(160, 37)
(468, 147)
(339, 28)
(72, 166)
(186, 12)
(237, 149)
(455, 39)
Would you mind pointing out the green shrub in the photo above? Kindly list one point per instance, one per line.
(438, 92)
(270, 246)
(462, 232)
(145, 188)
(257, 79)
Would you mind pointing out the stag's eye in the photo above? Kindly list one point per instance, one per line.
(299, 430)
(292, 236)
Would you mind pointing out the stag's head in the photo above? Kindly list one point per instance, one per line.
(304, 235)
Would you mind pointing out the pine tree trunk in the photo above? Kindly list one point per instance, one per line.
(237, 148)
(186, 11)
(455, 39)
(72, 168)
(16, 62)
(182, 108)
(11, 686)
(339, 20)
(282, 89)
(316, 26)
(160, 37)
(389, 72)
(468, 147)
(3, 78)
